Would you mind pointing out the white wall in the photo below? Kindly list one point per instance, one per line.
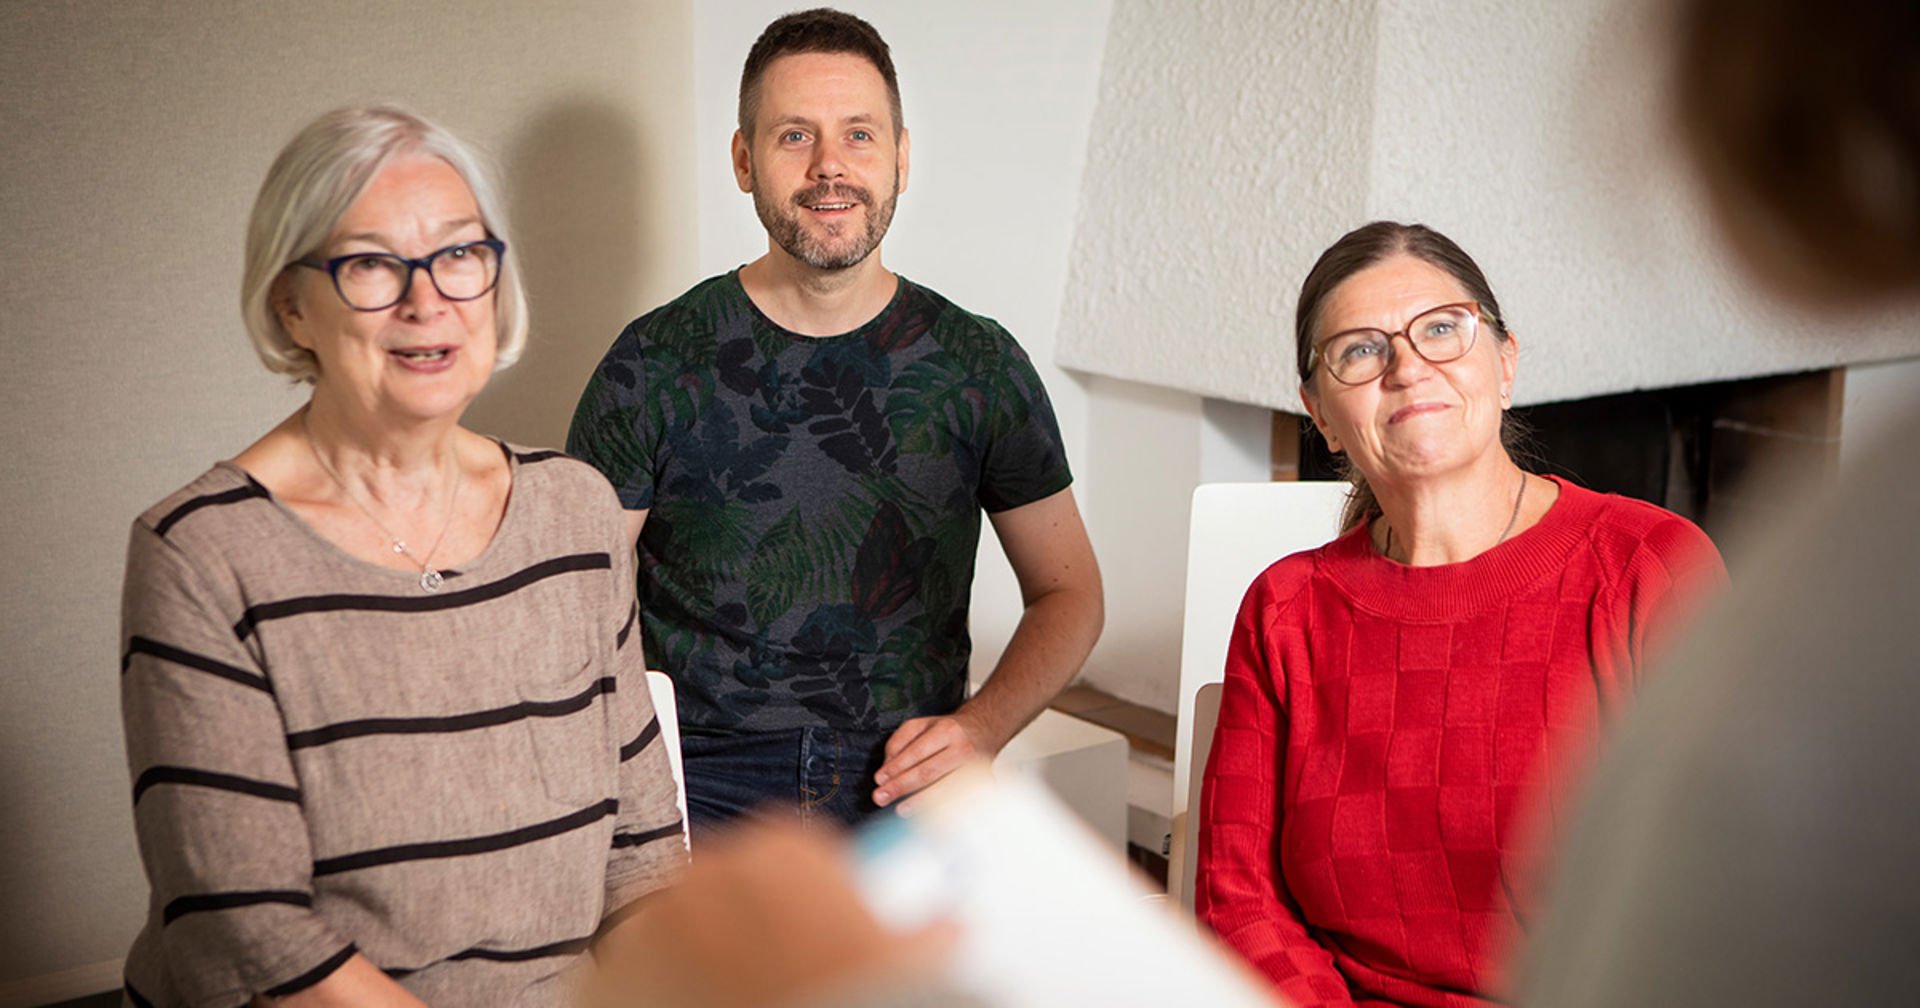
(136, 133)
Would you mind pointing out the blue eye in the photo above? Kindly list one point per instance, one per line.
(1361, 349)
(793, 136)
(862, 135)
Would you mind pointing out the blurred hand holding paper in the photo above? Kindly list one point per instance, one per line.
(990, 895)
(1047, 914)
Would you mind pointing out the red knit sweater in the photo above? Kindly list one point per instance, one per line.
(1382, 727)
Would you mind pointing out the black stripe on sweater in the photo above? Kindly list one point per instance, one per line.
(209, 779)
(202, 902)
(453, 722)
(256, 615)
(529, 458)
(642, 839)
(572, 946)
(470, 845)
(626, 629)
(647, 734)
(237, 494)
(314, 975)
(178, 656)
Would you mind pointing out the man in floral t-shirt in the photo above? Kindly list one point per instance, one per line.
(805, 447)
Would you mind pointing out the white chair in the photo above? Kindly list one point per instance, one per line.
(666, 708)
(1237, 530)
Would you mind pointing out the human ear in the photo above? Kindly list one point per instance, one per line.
(1509, 359)
(285, 303)
(742, 163)
(1313, 413)
(900, 162)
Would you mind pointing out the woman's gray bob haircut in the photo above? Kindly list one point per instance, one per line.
(311, 185)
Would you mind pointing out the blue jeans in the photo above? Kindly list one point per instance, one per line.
(823, 774)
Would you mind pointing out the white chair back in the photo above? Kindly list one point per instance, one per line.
(667, 709)
(1237, 531)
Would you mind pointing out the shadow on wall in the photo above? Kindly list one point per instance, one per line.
(573, 183)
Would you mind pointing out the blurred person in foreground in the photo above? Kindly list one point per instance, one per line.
(1395, 697)
(384, 702)
(1751, 839)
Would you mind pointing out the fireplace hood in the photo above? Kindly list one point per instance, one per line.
(1233, 141)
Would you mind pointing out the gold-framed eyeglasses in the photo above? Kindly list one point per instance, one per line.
(375, 281)
(1439, 334)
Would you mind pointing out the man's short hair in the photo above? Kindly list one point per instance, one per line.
(820, 30)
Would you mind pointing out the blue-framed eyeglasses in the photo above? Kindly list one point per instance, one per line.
(374, 281)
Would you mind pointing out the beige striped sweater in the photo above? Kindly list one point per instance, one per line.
(460, 786)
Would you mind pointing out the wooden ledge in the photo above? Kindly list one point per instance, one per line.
(1147, 730)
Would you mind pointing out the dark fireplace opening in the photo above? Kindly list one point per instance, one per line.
(1704, 451)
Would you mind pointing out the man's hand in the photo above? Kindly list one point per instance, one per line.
(923, 750)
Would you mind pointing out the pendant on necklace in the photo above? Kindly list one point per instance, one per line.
(430, 580)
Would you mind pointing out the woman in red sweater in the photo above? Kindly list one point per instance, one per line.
(1398, 700)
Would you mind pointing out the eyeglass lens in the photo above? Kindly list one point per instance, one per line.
(1438, 335)
(378, 280)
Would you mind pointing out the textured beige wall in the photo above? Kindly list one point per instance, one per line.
(135, 135)
(1230, 144)
(1236, 139)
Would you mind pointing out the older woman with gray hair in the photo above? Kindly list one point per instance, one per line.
(384, 703)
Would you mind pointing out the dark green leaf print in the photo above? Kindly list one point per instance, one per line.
(932, 408)
(715, 536)
(788, 564)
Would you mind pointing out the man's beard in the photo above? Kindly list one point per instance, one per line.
(836, 252)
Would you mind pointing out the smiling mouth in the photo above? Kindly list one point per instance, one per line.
(830, 198)
(1417, 409)
(422, 355)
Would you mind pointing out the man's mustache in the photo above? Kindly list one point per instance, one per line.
(827, 192)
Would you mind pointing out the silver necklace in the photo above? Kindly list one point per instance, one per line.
(1386, 548)
(431, 579)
